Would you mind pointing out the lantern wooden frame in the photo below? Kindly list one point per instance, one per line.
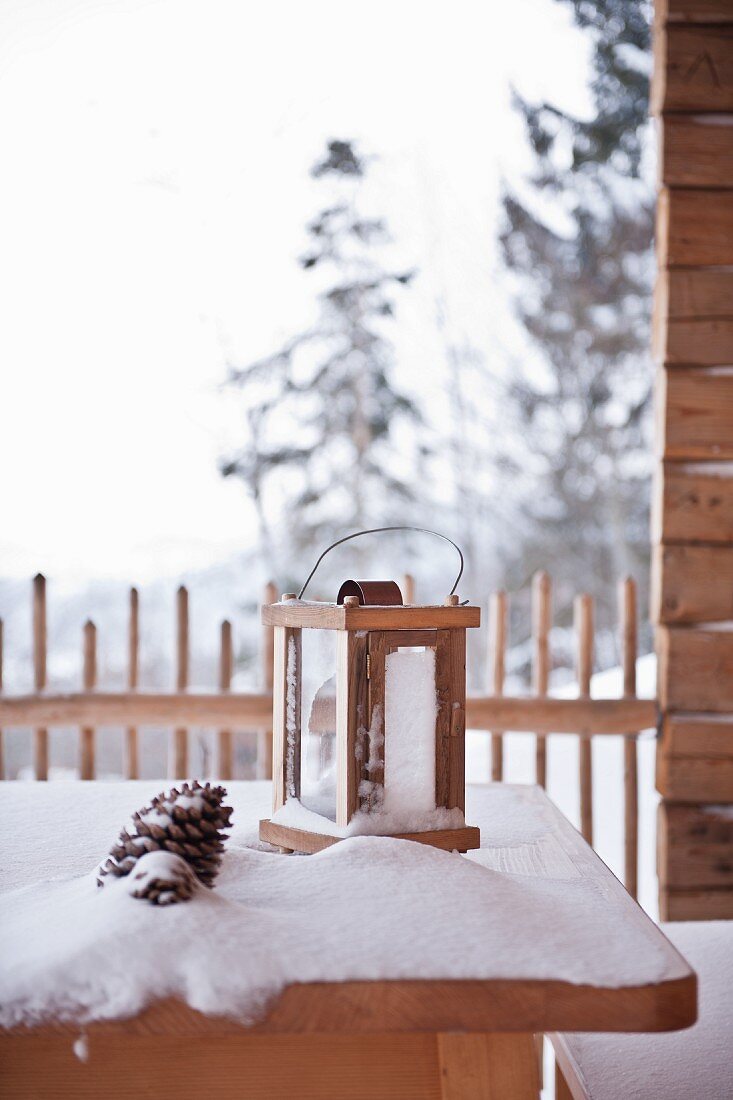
(366, 635)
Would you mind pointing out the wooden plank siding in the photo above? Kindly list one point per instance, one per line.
(695, 758)
(695, 227)
(695, 668)
(693, 67)
(693, 11)
(697, 151)
(701, 839)
(692, 524)
(695, 412)
(693, 584)
(694, 503)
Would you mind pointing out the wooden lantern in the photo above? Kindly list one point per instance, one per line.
(388, 724)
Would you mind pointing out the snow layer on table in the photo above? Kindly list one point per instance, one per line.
(71, 950)
(697, 1062)
(411, 708)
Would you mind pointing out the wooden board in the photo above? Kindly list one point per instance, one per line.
(693, 11)
(693, 734)
(695, 668)
(231, 1065)
(488, 1067)
(692, 584)
(381, 1007)
(695, 904)
(704, 342)
(695, 413)
(120, 708)
(299, 840)
(695, 758)
(450, 726)
(697, 150)
(696, 779)
(351, 708)
(590, 716)
(691, 293)
(376, 702)
(695, 227)
(328, 616)
(694, 502)
(286, 775)
(693, 68)
(695, 846)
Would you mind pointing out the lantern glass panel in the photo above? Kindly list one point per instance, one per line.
(411, 708)
(318, 718)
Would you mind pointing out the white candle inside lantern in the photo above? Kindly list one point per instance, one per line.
(409, 750)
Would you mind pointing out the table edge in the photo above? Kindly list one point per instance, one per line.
(417, 1005)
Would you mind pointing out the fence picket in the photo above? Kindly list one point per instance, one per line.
(132, 758)
(263, 768)
(541, 622)
(86, 733)
(628, 628)
(40, 735)
(2, 746)
(179, 742)
(496, 653)
(225, 737)
(583, 615)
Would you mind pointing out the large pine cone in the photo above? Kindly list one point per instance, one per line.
(189, 823)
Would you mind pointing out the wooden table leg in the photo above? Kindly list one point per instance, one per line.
(539, 1042)
(562, 1088)
(500, 1066)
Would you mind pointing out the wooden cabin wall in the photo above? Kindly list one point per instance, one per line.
(692, 601)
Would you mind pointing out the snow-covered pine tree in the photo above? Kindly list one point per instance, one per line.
(332, 443)
(579, 243)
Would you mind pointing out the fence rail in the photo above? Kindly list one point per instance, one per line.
(228, 711)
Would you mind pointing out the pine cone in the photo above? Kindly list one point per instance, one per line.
(189, 823)
(161, 878)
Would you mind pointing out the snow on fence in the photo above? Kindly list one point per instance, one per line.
(227, 711)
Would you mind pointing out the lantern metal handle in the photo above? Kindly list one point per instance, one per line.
(377, 531)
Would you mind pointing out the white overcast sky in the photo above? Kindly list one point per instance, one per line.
(152, 198)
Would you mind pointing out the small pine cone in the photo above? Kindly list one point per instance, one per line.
(162, 879)
(186, 824)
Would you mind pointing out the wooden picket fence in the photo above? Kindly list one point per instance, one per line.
(228, 711)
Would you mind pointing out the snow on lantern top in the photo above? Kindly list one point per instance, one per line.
(369, 704)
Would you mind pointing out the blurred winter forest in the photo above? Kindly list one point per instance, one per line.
(536, 458)
(524, 435)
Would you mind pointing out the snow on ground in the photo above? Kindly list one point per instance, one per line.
(678, 1065)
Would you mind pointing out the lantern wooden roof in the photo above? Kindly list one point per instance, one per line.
(333, 616)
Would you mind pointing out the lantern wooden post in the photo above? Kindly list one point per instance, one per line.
(351, 706)
(286, 696)
(450, 740)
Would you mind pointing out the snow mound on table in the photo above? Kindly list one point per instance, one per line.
(368, 908)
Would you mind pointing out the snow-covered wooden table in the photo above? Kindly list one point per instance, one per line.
(376, 968)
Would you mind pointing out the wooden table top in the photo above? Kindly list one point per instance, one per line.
(524, 837)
